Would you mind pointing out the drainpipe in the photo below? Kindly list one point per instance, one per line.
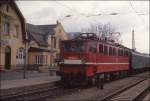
(50, 72)
(25, 57)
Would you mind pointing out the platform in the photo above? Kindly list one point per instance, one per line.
(12, 87)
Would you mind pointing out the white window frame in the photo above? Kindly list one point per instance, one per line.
(20, 56)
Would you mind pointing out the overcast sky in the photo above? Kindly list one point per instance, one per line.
(131, 15)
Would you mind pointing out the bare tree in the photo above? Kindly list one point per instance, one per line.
(104, 31)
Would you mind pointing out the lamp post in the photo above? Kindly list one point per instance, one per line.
(28, 44)
(27, 41)
(25, 60)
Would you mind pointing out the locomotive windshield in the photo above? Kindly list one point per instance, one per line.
(74, 47)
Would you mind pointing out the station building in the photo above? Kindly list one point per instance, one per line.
(18, 39)
(12, 34)
(44, 43)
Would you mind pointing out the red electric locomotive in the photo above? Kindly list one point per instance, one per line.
(85, 57)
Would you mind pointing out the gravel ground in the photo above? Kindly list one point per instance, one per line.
(92, 94)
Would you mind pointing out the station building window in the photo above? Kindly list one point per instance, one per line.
(16, 30)
(36, 59)
(20, 56)
(6, 26)
(41, 59)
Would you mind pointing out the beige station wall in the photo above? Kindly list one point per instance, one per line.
(15, 42)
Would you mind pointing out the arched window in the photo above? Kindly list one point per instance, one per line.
(20, 56)
(7, 49)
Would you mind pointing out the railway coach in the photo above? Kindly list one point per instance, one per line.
(139, 62)
(86, 57)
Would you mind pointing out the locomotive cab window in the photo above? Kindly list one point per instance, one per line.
(74, 47)
(92, 47)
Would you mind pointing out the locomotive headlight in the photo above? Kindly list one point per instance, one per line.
(61, 61)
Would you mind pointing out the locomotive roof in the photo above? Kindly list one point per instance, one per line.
(90, 37)
(100, 41)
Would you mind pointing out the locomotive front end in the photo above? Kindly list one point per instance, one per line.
(72, 61)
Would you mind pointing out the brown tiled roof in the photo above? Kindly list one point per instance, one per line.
(40, 39)
(48, 29)
(39, 33)
(41, 29)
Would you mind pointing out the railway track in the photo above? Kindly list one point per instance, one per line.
(32, 94)
(93, 94)
(115, 96)
(39, 94)
(57, 90)
(142, 96)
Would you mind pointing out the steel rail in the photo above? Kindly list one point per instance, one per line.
(141, 96)
(14, 97)
(108, 97)
(38, 94)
